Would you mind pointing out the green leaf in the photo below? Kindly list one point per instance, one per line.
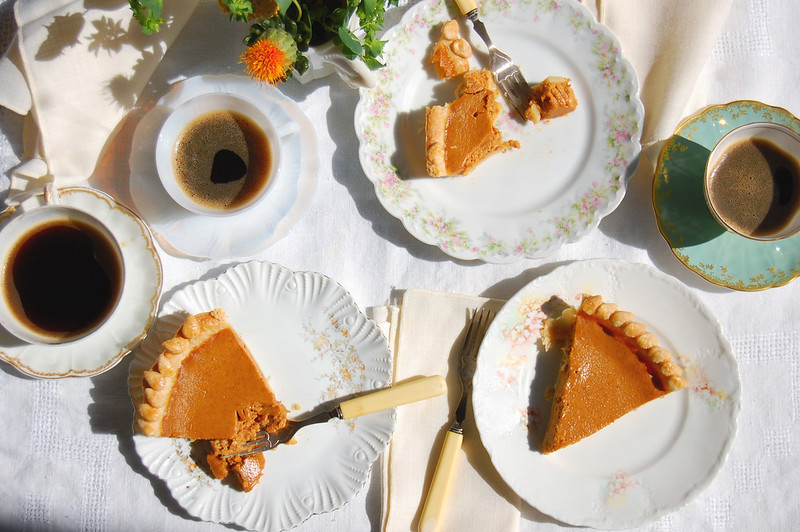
(350, 42)
(283, 5)
(155, 6)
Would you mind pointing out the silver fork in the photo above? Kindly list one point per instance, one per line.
(433, 509)
(507, 75)
(399, 394)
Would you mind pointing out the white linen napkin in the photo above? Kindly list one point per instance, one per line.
(426, 331)
(78, 67)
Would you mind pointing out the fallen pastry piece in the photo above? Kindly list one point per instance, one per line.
(611, 365)
(552, 98)
(450, 56)
(461, 134)
(205, 385)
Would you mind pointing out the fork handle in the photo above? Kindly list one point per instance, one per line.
(432, 513)
(465, 6)
(399, 394)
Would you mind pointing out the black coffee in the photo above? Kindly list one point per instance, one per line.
(755, 187)
(222, 159)
(65, 278)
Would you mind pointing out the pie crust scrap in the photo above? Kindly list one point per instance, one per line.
(206, 385)
(552, 98)
(450, 56)
(611, 365)
(461, 134)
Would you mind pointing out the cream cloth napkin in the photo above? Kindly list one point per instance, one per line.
(78, 67)
(668, 42)
(426, 331)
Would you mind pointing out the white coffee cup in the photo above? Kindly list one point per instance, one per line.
(780, 185)
(187, 114)
(55, 294)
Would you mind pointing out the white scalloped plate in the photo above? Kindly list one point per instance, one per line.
(647, 463)
(569, 172)
(315, 345)
(184, 233)
(133, 317)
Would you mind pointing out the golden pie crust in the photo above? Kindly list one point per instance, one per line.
(552, 98)
(205, 385)
(461, 134)
(450, 56)
(611, 365)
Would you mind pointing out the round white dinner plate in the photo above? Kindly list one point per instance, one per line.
(645, 464)
(130, 321)
(316, 347)
(182, 232)
(570, 171)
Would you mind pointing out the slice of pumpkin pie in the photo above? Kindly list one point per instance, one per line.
(462, 133)
(611, 366)
(206, 385)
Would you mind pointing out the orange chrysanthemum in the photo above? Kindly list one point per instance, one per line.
(270, 58)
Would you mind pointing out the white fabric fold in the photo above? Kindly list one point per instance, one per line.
(79, 70)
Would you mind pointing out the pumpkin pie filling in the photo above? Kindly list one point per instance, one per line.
(611, 365)
(462, 133)
(206, 386)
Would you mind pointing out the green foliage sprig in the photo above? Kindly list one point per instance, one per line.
(309, 22)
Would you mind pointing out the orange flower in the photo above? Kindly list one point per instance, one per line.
(270, 58)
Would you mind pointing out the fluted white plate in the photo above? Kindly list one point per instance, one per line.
(645, 464)
(315, 346)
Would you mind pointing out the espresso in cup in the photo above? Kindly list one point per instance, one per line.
(222, 159)
(62, 275)
(217, 154)
(753, 181)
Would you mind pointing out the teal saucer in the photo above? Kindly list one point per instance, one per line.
(723, 258)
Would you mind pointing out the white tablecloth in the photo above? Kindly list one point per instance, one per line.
(66, 457)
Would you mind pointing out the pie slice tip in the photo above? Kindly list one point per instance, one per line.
(611, 365)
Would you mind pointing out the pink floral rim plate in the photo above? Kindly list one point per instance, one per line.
(647, 463)
(315, 346)
(569, 172)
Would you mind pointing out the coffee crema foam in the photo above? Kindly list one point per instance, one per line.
(222, 159)
(755, 187)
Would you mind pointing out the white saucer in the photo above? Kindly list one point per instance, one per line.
(133, 317)
(181, 232)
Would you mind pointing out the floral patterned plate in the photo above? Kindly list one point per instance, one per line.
(721, 257)
(647, 463)
(568, 173)
(315, 346)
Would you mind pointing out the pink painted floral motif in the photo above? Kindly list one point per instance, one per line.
(701, 384)
(618, 487)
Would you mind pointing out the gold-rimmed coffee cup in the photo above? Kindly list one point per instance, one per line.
(752, 181)
(61, 274)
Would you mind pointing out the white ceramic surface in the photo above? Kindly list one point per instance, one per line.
(569, 172)
(649, 462)
(315, 346)
(181, 117)
(135, 312)
(247, 233)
